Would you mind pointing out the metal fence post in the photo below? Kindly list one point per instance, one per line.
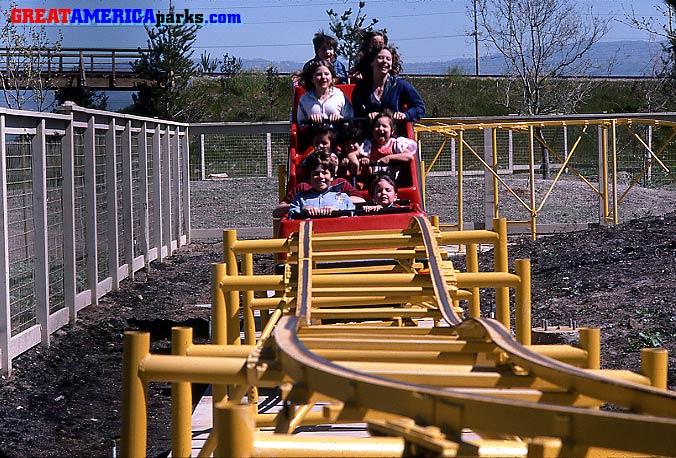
(489, 182)
(40, 249)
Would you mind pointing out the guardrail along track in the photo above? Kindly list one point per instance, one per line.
(370, 326)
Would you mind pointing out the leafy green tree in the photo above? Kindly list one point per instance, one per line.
(168, 63)
(349, 31)
(24, 77)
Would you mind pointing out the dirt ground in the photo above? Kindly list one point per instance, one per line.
(65, 400)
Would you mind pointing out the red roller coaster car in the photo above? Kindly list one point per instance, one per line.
(409, 183)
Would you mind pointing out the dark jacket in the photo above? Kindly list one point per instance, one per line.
(398, 92)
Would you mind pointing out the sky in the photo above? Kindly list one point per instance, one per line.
(277, 30)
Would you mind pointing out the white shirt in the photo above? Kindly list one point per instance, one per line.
(335, 103)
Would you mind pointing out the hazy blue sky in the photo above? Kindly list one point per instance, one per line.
(423, 30)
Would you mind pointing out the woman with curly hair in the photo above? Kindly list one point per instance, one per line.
(384, 89)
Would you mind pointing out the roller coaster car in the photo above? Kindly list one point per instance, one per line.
(409, 182)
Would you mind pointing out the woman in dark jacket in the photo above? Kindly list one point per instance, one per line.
(384, 89)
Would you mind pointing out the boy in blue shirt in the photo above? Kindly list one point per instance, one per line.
(322, 199)
(325, 49)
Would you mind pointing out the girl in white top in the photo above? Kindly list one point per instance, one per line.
(322, 101)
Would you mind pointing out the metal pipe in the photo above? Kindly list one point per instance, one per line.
(181, 398)
(496, 196)
(134, 390)
(472, 259)
(272, 445)
(195, 369)
(654, 365)
(464, 237)
(461, 142)
(590, 340)
(523, 302)
(235, 426)
(531, 181)
(501, 265)
(247, 311)
(261, 246)
(232, 305)
(220, 351)
(218, 313)
(487, 280)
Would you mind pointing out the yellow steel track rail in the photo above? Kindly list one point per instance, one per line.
(431, 388)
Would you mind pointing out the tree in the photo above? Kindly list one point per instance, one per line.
(542, 40)
(349, 31)
(207, 64)
(25, 77)
(168, 62)
(83, 96)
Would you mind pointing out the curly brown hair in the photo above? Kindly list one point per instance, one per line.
(396, 59)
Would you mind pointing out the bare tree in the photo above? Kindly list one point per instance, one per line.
(541, 41)
(23, 75)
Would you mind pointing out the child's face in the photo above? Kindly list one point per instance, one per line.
(326, 52)
(320, 179)
(351, 145)
(376, 42)
(322, 78)
(321, 141)
(384, 193)
(382, 130)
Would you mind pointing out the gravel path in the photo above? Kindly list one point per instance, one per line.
(245, 203)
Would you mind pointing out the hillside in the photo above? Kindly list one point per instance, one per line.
(630, 58)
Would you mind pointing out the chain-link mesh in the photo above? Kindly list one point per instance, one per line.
(121, 234)
(55, 224)
(80, 212)
(239, 155)
(20, 233)
(152, 198)
(136, 194)
(102, 225)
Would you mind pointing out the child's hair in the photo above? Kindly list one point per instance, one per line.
(323, 157)
(382, 176)
(308, 73)
(350, 131)
(322, 39)
(386, 113)
(396, 60)
(323, 129)
(367, 36)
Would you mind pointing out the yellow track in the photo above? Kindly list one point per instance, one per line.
(464, 388)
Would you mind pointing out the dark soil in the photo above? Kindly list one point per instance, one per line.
(65, 400)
